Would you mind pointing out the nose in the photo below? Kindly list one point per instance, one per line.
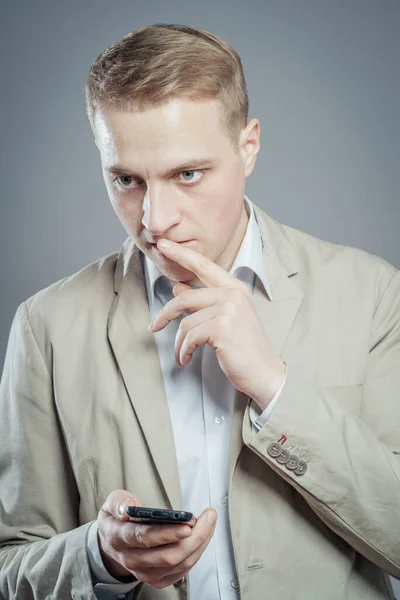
(160, 209)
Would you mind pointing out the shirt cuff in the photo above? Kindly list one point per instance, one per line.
(259, 418)
(101, 578)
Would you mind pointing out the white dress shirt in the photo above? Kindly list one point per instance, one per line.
(200, 400)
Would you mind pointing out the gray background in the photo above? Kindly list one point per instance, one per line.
(323, 79)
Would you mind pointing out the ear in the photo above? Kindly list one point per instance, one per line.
(249, 144)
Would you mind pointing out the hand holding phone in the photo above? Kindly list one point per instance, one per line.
(157, 553)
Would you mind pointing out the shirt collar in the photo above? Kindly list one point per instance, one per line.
(248, 259)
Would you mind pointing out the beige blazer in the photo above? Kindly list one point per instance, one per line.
(84, 412)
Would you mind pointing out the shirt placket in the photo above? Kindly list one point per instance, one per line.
(218, 395)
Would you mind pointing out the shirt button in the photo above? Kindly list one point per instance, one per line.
(235, 584)
(219, 420)
(224, 501)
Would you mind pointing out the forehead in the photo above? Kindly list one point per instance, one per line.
(177, 127)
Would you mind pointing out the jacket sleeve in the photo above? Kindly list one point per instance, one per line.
(346, 466)
(42, 547)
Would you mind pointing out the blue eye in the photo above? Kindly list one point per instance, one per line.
(189, 176)
(127, 182)
(124, 177)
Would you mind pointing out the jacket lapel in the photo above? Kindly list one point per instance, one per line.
(277, 314)
(137, 356)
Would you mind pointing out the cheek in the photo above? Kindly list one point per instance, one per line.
(129, 212)
(222, 206)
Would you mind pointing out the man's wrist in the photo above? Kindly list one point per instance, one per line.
(274, 385)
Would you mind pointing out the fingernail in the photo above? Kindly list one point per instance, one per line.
(165, 244)
(121, 509)
(151, 325)
(212, 517)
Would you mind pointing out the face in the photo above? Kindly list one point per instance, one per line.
(173, 172)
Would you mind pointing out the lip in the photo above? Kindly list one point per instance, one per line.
(187, 243)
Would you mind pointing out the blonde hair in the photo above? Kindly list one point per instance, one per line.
(162, 62)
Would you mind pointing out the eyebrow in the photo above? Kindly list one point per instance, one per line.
(186, 166)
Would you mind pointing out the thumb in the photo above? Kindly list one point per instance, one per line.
(117, 503)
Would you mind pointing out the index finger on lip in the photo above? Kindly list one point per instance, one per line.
(211, 274)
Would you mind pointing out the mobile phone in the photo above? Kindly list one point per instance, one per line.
(144, 514)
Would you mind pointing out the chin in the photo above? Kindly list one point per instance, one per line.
(176, 272)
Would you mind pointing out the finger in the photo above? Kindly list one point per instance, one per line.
(117, 503)
(188, 324)
(166, 581)
(188, 300)
(210, 332)
(188, 563)
(159, 577)
(140, 535)
(180, 287)
(125, 538)
(152, 577)
(211, 274)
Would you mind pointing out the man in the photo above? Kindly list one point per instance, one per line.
(260, 392)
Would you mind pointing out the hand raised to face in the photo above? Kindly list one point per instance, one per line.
(223, 316)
